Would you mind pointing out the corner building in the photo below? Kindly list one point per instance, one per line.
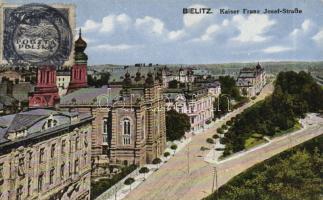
(45, 155)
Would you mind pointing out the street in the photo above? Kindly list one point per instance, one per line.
(172, 180)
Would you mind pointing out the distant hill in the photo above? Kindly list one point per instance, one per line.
(233, 68)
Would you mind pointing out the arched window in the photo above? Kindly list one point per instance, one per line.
(126, 131)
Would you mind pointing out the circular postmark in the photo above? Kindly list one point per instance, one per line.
(37, 34)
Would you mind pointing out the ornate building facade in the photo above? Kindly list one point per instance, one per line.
(251, 80)
(45, 154)
(197, 103)
(129, 125)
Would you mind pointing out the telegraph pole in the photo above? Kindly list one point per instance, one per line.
(215, 179)
(188, 158)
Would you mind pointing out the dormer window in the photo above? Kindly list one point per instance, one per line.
(50, 123)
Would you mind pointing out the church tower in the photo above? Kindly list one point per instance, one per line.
(46, 91)
(79, 69)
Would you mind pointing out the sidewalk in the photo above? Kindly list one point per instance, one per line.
(120, 190)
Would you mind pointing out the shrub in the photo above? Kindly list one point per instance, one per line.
(223, 140)
(210, 140)
(220, 130)
(215, 136)
(156, 161)
(253, 98)
(208, 121)
(166, 154)
(229, 123)
(143, 170)
(224, 127)
(173, 147)
(129, 181)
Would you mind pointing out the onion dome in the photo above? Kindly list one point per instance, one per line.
(138, 76)
(79, 47)
(150, 79)
(258, 66)
(127, 79)
(159, 76)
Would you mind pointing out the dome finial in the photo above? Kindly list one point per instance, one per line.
(80, 32)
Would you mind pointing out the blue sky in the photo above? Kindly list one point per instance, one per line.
(151, 31)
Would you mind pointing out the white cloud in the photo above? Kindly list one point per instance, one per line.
(318, 37)
(150, 25)
(191, 20)
(252, 28)
(175, 35)
(276, 49)
(225, 22)
(305, 27)
(109, 47)
(108, 23)
(90, 25)
(209, 32)
(111, 21)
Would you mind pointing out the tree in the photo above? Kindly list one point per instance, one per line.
(176, 125)
(215, 136)
(173, 84)
(157, 161)
(129, 181)
(210, 140)
(220, 130)
(166, 154)
(173, 147)
(228, 86)
(104, 79)
(144, 170)
(294, 95)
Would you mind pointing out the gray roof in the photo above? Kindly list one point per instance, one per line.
(91, 96)
(24, 120)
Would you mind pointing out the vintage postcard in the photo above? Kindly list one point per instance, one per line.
(161, 100)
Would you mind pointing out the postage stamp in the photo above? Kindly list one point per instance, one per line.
(37, 34)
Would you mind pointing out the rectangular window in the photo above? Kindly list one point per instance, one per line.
(69, 169)
(21, 162)
(29, 187)
(105, 131)
(192, 120)
(63, 146)
(77, 143)
(41, 155)
(76, 166)
(30, 158)
(19, 193)
(85, 158)
(1, 170)
(62, 171)
(51, 176)
(52, 150)
(40, 182)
